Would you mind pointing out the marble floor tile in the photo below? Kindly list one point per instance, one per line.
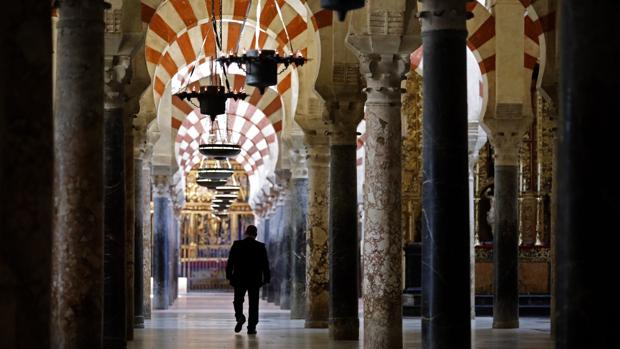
(206, 321)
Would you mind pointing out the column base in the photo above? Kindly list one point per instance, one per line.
(506, 324)
(114, 343)
(346, 329)
(316, 324)
(138, 322)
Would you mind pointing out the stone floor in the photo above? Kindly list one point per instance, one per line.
(206, 321)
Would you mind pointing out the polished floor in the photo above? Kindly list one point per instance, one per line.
(206, 321)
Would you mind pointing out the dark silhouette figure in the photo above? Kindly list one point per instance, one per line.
(247, 270)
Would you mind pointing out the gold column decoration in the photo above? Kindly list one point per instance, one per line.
(546, 119)
(527, 187)
(412, 158)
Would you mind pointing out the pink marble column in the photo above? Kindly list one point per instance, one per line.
(383, 237)
(317, 272)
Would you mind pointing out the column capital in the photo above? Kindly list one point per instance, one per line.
(116, 75)
(344, 116)
(298, 159)
(506, 135)
(384, 73)
(317, 150)
(443, 15)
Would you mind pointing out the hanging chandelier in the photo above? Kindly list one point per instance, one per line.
(210, 183)
(342, 6)
(211, 99)
(214, 173)
(261, 65)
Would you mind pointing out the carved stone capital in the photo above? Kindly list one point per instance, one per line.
(299, 167)
(344, 116)
(317, 147)
(161, 186)
(506, 135)
(116, 75)
(384, 74)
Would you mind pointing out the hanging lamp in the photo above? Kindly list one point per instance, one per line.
(217, 174)
(342, 6)
(261, 65)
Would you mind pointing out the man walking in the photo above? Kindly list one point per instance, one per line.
(247, 270)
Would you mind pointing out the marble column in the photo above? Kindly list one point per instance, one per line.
(162, 227)
(299, 199)
(446, 312)
(317, 275)
(147, 230)
(343, 237)
(129, 225)
(383, 238)
(588, 192)
(138, 286)
(115, 246)
(26, 175)
(274, 244)
(77, 249)
(267, 288)
(285, 244)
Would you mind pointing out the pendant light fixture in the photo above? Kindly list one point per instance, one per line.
(342, 6)
(261, 66)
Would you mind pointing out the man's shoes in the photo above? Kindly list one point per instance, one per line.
(251, 331)
(239, 325)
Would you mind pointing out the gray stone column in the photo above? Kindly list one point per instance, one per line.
(298, 187)
(343, 237)
(285, 244)
(139, 208)
(446, 311)
(129, 225)
(317, 272)
(115, 246)
(77, 249)
(147, 233)
(588, 187)
(162, 227)
(26, 175)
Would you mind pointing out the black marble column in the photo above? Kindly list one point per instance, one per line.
(445, 227)
(26, 175)
(162, 225)
(299, 196)
(276, 255)
(77, 250)
(343, 241)
(267, 288)
(589, 187)
(114, 289)
(285, 253)
(138, 280)
(506, 248)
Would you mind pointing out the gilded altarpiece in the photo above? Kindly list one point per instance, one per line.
(206, 237)
(535, 181)
(412, 159)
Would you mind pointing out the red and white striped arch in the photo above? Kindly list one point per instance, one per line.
(178, 28)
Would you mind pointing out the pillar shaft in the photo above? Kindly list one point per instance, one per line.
(317, 276)
(445, 226)
(506, 248)
(383, 238)
(299, 196)
(138, 321)
(115, 268)
(129, 226)
(343, 237)
(588, 187)
(147, 235)
(162, 226)
(77, 289)
(285, 248)
(26, 176)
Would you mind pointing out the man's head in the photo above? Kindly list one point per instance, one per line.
(251, 231)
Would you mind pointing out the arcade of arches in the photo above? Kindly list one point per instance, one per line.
(434, 176)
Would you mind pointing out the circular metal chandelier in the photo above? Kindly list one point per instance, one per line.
(342, 6)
